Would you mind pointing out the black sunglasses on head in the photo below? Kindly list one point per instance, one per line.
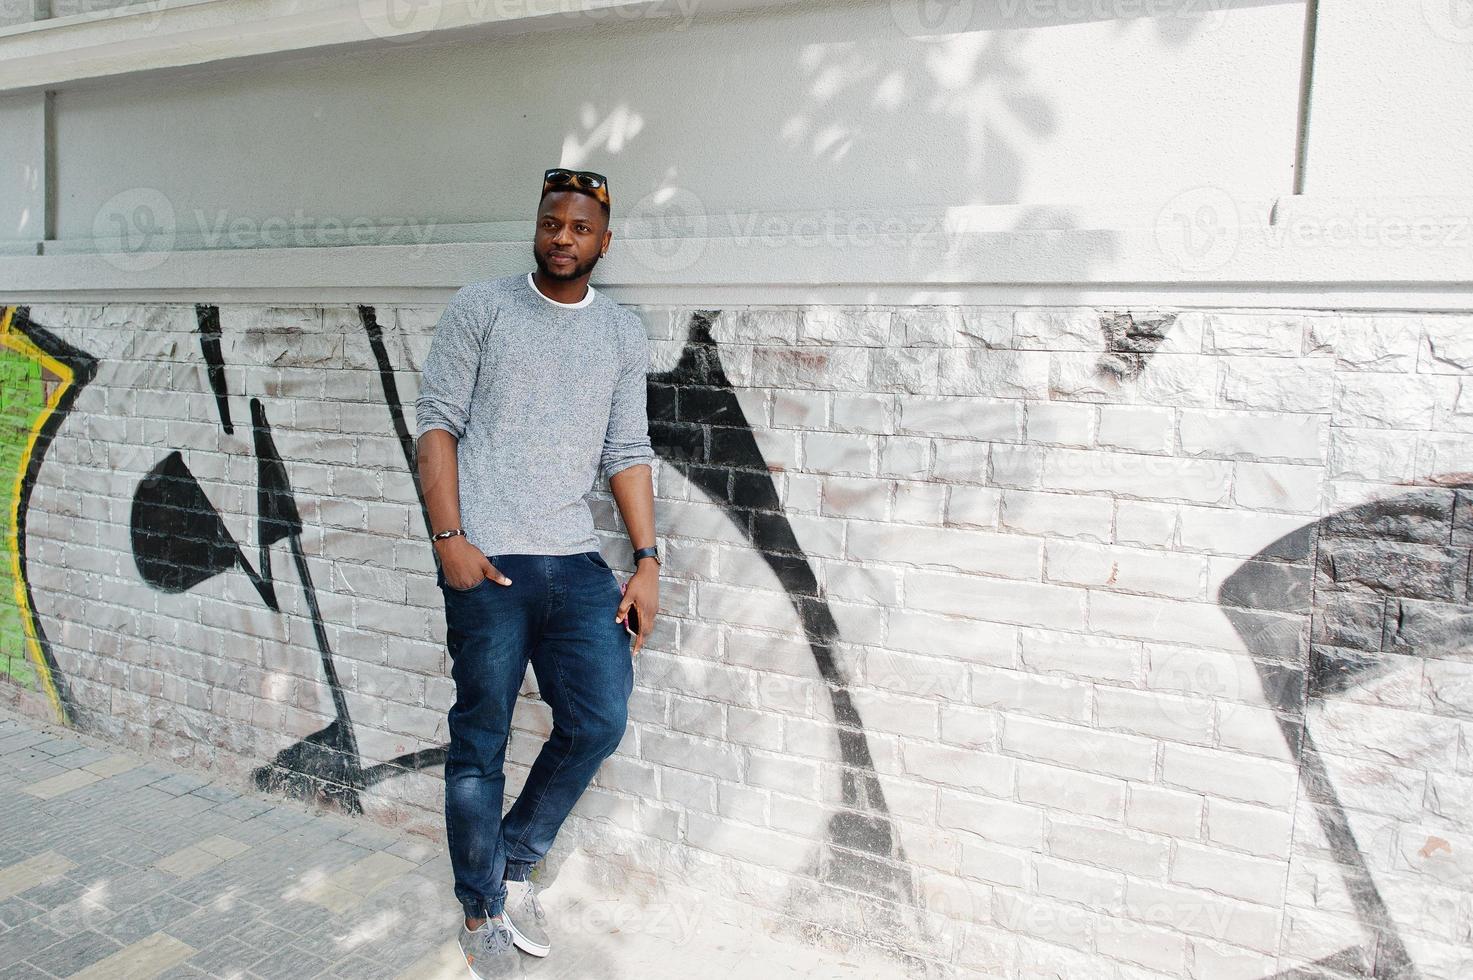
(557, 176)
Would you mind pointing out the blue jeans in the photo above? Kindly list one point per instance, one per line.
(559, 614)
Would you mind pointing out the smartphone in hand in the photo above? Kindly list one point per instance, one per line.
(631, 621)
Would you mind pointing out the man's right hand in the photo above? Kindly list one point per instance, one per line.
(464, 564)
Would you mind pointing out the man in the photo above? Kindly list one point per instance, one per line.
(533, 386)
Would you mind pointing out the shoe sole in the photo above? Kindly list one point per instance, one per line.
(524, 944)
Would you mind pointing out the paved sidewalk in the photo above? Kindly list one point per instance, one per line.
(113, 867)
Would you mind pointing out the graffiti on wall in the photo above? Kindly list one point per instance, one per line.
(40, 377)
(1376, 588)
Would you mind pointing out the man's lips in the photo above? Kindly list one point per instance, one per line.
(560, 257)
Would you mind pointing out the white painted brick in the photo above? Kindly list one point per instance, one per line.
(1015, 466)
(1237, 532)
(838, 452)
(973, 506)
(1058, 329)
(961, 639)
(1136, 853)
(970, 728)
(1228, 775)
(1215, 961)
(995, 865)
(796, 777)
(995, 373)
(1144, 524)
(903, 459)
(994, 820)
(961, 460)
(949, 765)
(1033, 694)
(1163, 620)
(1146, 571)
(1447, 345)
(1272, 436)
(1054, 922)
(1155, 715)
(1161, 951)
(967, 551)
(1082, 656)
(1202, 913)
(1057, 514)
(1386, 401)
(1275, 384)
(921, 503)
(1367, 343)
(1251, 879)
(1126, 474)
(1164, 811)
(1068, 791)
(856, 497)
(961, 418)
(1278, 487)
(996, 600)
(1279, 335)
(862, 412)
(1060, 424)
(1102, 891)
(904, 369)
(1137, 428)
(1099, 752)
(1254, 829)
(766, 848)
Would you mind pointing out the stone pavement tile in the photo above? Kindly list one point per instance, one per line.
(261, 935)
(209, 924)
(77, 950)
(344, 889)
(224, 847)
(24, 971)
(64, 781)
(24, 940)
(181, 782)
(34, 871)
(188, 861)
(85, 757)
(114, 765)
(150, 916)
(142, 960)
(300, 917)
(415, 849)
(290, 963)
(59, 746)
(216, 793)
(243, 808)
(14, 911)
(224, 956)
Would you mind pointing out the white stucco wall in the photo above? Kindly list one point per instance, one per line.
(817, 105)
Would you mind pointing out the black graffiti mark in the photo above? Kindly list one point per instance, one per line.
(83, 367)
(1130, 341)
(698, 424)
(1383, 583)
(209, 345)
(179, 539)
(326, 765)
(396, 407)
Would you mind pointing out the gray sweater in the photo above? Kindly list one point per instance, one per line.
(543, 398)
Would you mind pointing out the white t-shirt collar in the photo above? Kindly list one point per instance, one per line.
(587, 297)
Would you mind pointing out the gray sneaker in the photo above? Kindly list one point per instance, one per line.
(489, 953)
(525, 918)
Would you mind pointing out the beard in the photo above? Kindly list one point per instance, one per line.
(578, 271)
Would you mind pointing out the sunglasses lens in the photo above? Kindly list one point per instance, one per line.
(558, 176)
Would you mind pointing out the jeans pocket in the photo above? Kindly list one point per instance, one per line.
(598, 559)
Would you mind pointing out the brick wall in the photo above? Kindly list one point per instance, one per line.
(1058, 642)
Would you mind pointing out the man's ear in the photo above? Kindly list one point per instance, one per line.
(608, 237)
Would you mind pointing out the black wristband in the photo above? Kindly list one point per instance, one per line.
(647, 552)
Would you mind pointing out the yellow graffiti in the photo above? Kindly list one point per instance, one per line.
(17, 342)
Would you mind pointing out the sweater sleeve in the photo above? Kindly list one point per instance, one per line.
(627, 440)
(449, 374)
